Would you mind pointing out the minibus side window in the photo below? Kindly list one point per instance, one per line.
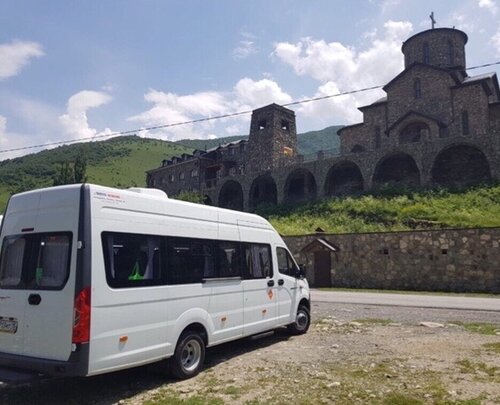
(132, 260)
(257, 260)
(228, 259)
(11, 267)
(189, 260)
(286, 265)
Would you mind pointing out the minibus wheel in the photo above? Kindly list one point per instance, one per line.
(189, 355)
(302, 321)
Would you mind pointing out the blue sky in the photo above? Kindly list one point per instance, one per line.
(71, 70)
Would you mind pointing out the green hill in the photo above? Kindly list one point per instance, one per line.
(307, 142)
(118, 162)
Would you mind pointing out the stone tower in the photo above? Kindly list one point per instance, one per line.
(272, 141)
(440, 47)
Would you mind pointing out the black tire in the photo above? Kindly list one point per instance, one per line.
(302, 321)
(189, 356)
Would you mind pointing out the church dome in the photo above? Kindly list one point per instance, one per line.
(441, 47)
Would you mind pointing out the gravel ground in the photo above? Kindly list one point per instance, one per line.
(352, 354)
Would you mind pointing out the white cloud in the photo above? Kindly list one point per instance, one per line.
(490, 5)
(495, 41)
(170, 108)
(15, 55)
(341, 109)
(340, 68)
(75, 122)
(345, 65)
(259, 93)
(244, 49)
(3, 128)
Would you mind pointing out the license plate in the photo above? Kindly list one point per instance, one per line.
(8, 325)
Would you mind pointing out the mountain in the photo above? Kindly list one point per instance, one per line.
(307, 142)
(313, 141)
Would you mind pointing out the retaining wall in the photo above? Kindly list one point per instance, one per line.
(457, 260)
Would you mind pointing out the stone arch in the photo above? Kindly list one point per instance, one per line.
(460, 165)
(398, 169)
(231, 196)
(263, 191)
(300, 185)
(344, 178)
(414, 132)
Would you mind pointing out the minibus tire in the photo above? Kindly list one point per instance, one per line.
(189, 356)
(302, 321)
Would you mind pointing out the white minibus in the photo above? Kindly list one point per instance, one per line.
(95, 279)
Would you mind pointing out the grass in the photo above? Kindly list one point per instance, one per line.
(479, 327)
(492, 347)
(426, 209)
(477, 368)
(386, 382)
(171, 398)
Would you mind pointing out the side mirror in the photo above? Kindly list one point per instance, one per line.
(301, 273)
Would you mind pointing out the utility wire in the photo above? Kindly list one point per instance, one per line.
(204, 119)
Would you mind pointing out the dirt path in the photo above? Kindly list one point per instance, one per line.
(352, 354)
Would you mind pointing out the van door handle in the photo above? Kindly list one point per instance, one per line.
(34, 299)
(281, 281)
(270, 283)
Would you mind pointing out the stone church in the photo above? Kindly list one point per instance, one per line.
(436, 126)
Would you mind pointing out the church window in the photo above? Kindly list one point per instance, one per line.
(417, 88)
(194, 173)
(413, 132)
(181, 176)
(357, 149)
(171, 178)
(285, 126)
(426, 56)
(262, 125)
(465, 123)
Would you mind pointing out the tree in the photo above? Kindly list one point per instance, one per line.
(68, 173)
(80, 168)
(64, 175)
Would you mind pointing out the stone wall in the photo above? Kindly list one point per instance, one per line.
(459, 260)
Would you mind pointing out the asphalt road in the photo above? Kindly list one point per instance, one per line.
(408, 300)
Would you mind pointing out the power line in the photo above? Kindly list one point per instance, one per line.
(204, 119)
(217, 117)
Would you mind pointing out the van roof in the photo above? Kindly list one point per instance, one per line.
(156, 195)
